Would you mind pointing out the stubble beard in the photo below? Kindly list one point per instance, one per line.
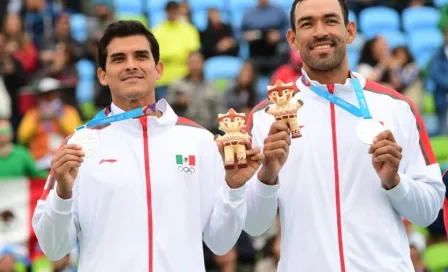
(324, 62)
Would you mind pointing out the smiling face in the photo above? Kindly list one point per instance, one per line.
(130, 71)
(321, 34)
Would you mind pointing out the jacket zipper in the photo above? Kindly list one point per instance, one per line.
(336, 180)
(144, 123)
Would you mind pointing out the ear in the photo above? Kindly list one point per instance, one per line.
(351, 32)
(291, 37)
(102, 76)
(159, 70)
(220, 115)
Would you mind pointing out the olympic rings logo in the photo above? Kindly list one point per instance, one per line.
(188, 170)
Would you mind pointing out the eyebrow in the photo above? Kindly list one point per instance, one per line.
(120, 54)
(308, 18)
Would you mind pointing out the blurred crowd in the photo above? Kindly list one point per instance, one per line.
(48, 87)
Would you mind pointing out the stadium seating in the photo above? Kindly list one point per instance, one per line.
(394, 38)
(78, 27)
(222, 67)
(352, 16)
(241, 4)
(129, 6)
(440, 3)
(416, 18)
(284, 4)
(375, 20)
(201, 5)
(156, 18)
(85, 88)
(423, 43)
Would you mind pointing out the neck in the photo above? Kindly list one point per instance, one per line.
(337, 75)
(133, 104)
(195, 78)
(5, 149)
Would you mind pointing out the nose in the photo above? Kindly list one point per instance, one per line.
(130, 64)
(320, 31)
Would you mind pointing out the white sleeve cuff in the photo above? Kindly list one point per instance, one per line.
(233, 195)
(402, 188)
(58, 204)
(264, 190)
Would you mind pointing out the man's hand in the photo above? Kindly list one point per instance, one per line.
(276, 150)
(65, 164)
(237, 177)
(386, 157)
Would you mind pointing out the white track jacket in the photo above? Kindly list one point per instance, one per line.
(335, 215)
(145, 200)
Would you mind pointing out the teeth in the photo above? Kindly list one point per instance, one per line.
(322, 46)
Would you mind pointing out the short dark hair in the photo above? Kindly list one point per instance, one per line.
(125, 28)
(292, 17)
(171, 5)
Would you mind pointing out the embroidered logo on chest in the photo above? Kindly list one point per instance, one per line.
(186, 163)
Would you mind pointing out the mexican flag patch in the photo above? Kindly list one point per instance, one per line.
(189, 160)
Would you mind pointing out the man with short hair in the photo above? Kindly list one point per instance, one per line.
(364, 160)
(139, 186)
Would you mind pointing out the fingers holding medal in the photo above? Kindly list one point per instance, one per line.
(386, 149)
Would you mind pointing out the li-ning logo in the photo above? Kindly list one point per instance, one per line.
(186, 164)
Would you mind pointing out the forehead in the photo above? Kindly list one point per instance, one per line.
(317, 8)
(128, 44)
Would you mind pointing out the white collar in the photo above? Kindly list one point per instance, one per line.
(304, 81)
(168, 118)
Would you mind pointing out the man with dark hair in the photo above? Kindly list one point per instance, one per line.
(139, 186)
(364, 160)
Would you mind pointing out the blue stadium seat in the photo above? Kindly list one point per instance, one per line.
(235, 5)
(352, 16)
(285, 4)
(440, 3)
(199, 19)
(129, 6)
(85, 88)
(374, 20)
(353, 58)
(415, 18)
(201, 5)
(262, 83)
(86, 69)
(78, 27)
(222, 67)
(155, 18)
(423, 44)
(236, 16)
(394, 38)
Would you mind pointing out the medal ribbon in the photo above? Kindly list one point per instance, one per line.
(101, 119)
(362, 111)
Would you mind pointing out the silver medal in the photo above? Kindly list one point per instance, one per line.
(368, 129)
(86, 138)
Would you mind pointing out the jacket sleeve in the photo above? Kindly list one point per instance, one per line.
(55, 221)
(223, 209)
(445, 203)
(419, 195)
(261, 198)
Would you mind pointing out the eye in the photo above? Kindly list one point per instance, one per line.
(237, 119)
(307, 24)
(227, 119)
(332, 21)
